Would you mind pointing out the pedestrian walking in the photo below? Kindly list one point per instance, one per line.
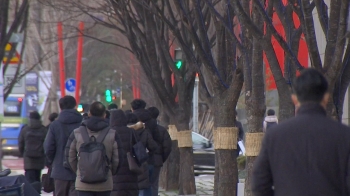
(138, 108)
(270, 120)
(163, 151)
(85, 158)
(52, 117)
(125, 181)
(112, 106)
(30, 143)
(55, 142)
(307, 154)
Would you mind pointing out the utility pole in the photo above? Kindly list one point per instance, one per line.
(195, 105)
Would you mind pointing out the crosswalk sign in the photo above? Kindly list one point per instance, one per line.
(15, 58)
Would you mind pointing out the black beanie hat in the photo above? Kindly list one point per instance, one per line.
(34, 115)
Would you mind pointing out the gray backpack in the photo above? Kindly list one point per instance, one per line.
(93, 161)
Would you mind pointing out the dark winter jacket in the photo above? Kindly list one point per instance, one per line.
(147, 140)
(56, 141)
(32, 163)
(125, 180)
(303, 156)
(151, 125)
(165, 147)
(94, 126)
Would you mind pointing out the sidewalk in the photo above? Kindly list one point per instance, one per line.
(204, 185)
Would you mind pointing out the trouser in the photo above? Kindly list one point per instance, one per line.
(32, 175)
(148, 191)
(92, 193)
(65, 188)
(154, 180)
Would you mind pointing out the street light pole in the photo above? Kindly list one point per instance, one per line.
(195, 105)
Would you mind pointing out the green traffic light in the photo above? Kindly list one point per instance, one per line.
(108, 95)
(178, 64)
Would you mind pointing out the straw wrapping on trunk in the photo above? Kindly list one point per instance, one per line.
(225, 138)
(253, 143)
(184, 139)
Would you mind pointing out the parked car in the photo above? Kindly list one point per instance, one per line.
(204, 154)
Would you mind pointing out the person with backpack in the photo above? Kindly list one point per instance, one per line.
(270, 120)
(138, 108)
(144, 181)
(30, 143)
(93, 154)
(162, 154)
(55, 142)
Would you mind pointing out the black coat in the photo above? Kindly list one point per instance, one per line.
(31, 163)
(125, 180)
(165, 145)
(56, 140)
(304, 156)
(146, 138)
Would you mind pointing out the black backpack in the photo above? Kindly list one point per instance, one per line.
(270, 124)
(93, 161)
(34, 140)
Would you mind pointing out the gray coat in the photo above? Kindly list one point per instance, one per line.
(305, 155)
(56, 140)
(31, 163)
(94, 126)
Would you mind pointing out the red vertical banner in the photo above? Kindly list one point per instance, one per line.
(138, 91)
(133, 83)
(79, 62)
(61, 59)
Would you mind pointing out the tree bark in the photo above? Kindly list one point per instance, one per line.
(255, 103)
(169, 177)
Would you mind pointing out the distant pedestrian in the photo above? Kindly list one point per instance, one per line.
(30, 142)
(52, 117)
(95, 127)
(85, 116)
(108, 114)
(270, 120)
(112, 106)
(307, 154)
(125, 181)
(162, 154)
(55, 142)
(241, 134)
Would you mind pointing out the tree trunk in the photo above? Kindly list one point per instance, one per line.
(286, 106)
(187, 182)
(255, 100)
(169, 176)
(226, 172)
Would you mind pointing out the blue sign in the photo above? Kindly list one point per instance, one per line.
(70, 84)
(118, 90)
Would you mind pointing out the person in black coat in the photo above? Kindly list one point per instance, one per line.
(308, 154)
(125, 181)
(145, 137)
(138, 108)
(55, 143)
(31, 138)
(163, 151)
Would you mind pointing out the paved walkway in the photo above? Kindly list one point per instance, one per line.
(204, 185)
